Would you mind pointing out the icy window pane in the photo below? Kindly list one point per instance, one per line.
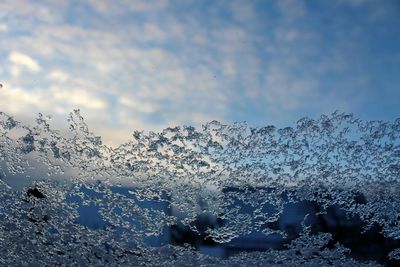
(321, 192)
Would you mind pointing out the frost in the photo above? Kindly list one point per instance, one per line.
(395, 254)
(169, 198)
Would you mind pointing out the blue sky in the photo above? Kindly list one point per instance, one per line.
(147, 65)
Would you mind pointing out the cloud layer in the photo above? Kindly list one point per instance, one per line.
(147, 65)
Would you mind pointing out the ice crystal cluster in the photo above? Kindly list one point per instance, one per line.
(221, 183)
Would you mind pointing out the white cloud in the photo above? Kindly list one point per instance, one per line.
(242, 10)
(153, 32)
(15, 71)
(58, 76)
(119, 7)
(287, 35)
(141, 106)
(144, 6)
(18, 101)
(3, 27)
(287, 93)
(229, 68)
(162, 65)
(24, 61)
(77, 98)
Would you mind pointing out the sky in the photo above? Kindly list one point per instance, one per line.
(146, 65)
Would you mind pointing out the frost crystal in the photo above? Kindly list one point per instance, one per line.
(188, 196)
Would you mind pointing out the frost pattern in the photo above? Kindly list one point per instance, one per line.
(242, 178)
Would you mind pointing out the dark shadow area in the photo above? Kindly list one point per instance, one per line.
(347, 230)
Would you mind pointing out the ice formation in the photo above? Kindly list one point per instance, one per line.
(220, 183)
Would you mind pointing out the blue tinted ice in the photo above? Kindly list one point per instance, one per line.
(187, 196)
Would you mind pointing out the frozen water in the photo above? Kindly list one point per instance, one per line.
(169, 198)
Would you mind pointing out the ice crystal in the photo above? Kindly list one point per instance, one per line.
(216, 184)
